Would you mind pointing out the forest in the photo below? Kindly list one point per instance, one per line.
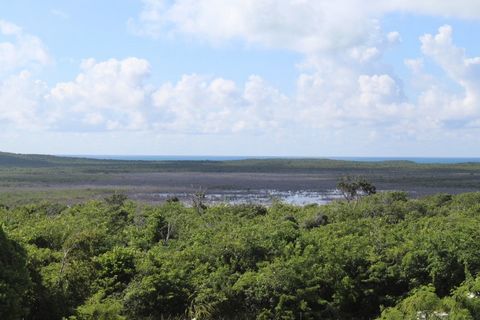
(383, 256)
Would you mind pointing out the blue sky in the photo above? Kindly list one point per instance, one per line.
(240, 77)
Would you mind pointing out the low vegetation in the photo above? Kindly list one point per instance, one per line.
(381, 256)
(75, 180)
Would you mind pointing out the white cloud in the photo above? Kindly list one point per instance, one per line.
(415, 65)
(150, 20)
(463, 70)
(378, 89)
(340, 94)
(112, 90)
(469, 9)
(60, 14)
(362, 54)
(394, 37)
(306, 26)
(112, 96)
(21, 102)
(200, 105)
(336, 96)
(9, 29)
(343, 81)
(21, 50)
(343, 98)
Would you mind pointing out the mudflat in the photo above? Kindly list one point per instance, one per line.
(24, 177)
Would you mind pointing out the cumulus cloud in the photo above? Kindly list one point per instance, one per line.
(110, 93)
(332, 93)
(202, 105)
(343, 80)
(348, 98)
(347, 92)
(463, 70)
(21, 102)
(377, 90)
(112, 96)
(20, 49)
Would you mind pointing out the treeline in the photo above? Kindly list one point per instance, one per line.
(383, 256)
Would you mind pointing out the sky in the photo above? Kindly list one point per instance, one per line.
(317, 78)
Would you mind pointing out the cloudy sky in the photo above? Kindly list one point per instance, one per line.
(241, 77)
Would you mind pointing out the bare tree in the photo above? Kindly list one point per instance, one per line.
(353, 188)
(198, 201)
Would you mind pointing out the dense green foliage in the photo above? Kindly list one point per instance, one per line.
(14, 279)
(383, 256)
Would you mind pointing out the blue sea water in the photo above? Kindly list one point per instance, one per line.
(413, 159)
(226, 158)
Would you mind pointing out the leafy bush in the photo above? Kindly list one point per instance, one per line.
(319, 220)
(381, 256)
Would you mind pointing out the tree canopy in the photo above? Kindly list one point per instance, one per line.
(385, 256)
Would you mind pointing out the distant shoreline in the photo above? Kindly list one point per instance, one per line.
(424, 160)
